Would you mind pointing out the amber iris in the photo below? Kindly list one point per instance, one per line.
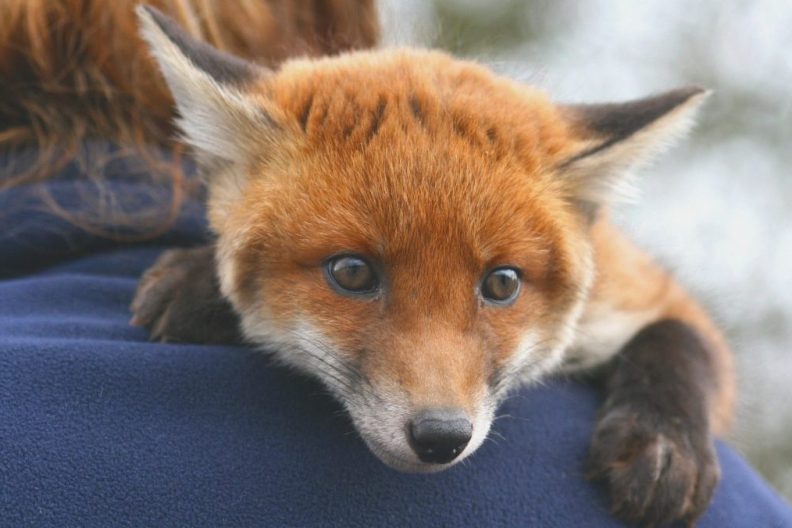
(352, 274)
(501, 285)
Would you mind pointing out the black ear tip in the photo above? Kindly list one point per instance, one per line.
(146, 10)
(223, 67)
(691, 91)
(160, 18)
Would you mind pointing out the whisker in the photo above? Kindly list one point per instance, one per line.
(348, 377)
(497, 434)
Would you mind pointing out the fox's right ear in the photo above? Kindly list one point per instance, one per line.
(217, 116)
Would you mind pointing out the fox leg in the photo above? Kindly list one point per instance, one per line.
(668, 391)
(178, 299)
(653, 442)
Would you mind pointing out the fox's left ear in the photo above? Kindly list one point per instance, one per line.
(218, 117)
(614, 138)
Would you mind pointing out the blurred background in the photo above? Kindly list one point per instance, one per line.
(717, 210)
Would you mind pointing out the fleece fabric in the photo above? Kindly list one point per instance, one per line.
(99, 427)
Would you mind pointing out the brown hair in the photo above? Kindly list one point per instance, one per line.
(76, 70)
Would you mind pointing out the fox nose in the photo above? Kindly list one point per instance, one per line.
(438, 436)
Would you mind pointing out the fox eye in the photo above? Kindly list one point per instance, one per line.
(501, 285)
(352, 274)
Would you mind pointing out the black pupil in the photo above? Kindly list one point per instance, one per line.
(501, 284)
(353, 274)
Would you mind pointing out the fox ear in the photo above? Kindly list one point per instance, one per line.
(217, 117)
(617, 137)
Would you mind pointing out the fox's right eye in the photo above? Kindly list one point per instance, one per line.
(352, 275)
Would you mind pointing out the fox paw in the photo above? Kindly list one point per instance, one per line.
(178, 300)
(657, 470)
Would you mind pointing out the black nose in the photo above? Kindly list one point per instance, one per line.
(438, 436)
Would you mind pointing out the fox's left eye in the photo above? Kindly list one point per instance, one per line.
(352, 274)
(501, 286)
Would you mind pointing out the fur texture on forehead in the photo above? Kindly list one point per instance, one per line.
(413, 171)
(350, 100)
(433, 152)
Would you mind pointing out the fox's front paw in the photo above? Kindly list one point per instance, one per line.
(178, 299)
(658, 469)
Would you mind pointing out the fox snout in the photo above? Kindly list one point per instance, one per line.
(423, 440)
(422, 424)
(438, 436)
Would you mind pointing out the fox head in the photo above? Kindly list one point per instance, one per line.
(409, 228)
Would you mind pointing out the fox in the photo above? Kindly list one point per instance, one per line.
(424, 237)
